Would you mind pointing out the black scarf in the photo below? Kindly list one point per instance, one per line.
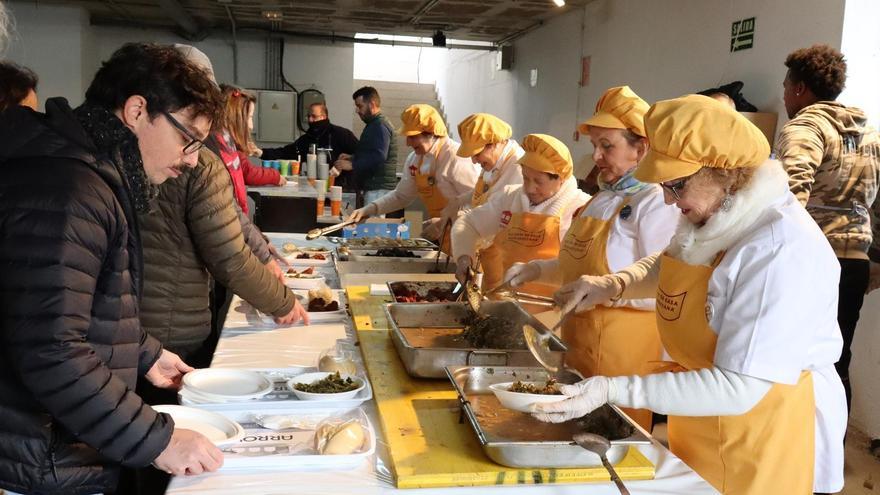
(119, 144)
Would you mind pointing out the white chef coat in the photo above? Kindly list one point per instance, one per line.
(454, 176)
(485, 221)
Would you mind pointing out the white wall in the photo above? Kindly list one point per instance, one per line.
(861, 46)
(661, 49)
(57, 30)
(60, 45)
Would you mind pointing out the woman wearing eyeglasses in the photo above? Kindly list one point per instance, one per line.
(624, 222)
(234, 141)
(746, 309)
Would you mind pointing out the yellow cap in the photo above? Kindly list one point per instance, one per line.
(696, 131)
(478, 130)
(618, 108)
(421, 118)
(547, 154)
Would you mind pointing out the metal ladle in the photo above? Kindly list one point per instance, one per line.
(599, 445)
(538, 341)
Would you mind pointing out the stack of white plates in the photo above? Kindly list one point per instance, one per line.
(219, 429)
(219, 385)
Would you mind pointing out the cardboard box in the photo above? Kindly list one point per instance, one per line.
(766, 121)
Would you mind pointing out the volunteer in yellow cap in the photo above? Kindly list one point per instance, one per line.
(525, 221)
(487, 141)
(746, 309)
(432, 171)
(626, 221)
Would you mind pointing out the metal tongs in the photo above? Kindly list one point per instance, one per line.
(315, 233)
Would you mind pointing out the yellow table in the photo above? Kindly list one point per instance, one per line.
(430, 447)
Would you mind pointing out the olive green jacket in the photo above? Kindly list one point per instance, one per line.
(192, 234)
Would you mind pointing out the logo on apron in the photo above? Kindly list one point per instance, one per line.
(669, 306)
(505, 217)
(575, 247)
(525, 237)
(412, 170)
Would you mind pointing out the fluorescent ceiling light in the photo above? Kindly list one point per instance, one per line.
(559, 3)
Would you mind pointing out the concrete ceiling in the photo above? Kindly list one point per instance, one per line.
(476, 20)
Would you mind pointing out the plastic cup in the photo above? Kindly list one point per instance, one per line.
(285, 167)
(294, 167)
(335, 201)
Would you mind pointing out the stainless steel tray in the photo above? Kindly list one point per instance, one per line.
(345, 267)
(373, 243)
(425, 335)
(518, 440)
(400, 288)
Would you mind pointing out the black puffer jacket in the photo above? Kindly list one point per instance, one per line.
(71, 347)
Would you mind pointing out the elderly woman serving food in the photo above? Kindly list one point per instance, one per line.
(746, 309)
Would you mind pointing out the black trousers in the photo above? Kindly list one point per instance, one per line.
(854, 277)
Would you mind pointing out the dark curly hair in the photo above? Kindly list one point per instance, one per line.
(15, 83)
(159, 73)
(821, 68)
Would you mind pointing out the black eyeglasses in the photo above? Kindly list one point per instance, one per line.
(195, 144)
(675, 188)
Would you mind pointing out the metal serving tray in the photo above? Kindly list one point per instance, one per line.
(374, 243)
(425, 335)
(518, 440)
(421, 288)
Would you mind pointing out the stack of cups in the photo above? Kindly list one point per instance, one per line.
(285, 167)
(294, 167)
(312, 166)
(323, 167)
(321, 189)
(335, 200)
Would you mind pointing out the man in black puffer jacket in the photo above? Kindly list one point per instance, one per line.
(71, 345)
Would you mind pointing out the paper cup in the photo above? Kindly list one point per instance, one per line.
(335, 193)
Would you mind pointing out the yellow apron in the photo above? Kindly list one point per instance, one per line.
(429, 192)
(490, 257)
(527, 237)
(605, 341)
(768, 450)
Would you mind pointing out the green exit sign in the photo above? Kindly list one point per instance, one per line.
(742, 34)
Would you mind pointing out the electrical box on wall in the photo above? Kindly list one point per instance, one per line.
(504, 57)
(275, 116)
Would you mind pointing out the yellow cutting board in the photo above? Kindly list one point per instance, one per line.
(367, 311)
(431, 445)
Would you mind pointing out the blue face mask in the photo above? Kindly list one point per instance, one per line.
(627, 185)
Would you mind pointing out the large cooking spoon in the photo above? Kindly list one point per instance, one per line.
(442, 238)
(538, 341)
(315, 233)
(599, 445)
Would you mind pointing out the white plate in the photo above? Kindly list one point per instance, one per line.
(222, 384)
(219, 429)
(292, 259)
(519, 401)
(304, 283)
(320, 375)
(325, 316)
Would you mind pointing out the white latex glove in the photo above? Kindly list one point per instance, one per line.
(364, 213)
(450, 212)
(586, 292)
(520, 273)
(462, 266)
(583, 398)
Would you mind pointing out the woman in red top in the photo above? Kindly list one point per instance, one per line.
(235, 135)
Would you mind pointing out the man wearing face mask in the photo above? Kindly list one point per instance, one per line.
(487, 141)
(323, 134)
(432, 172)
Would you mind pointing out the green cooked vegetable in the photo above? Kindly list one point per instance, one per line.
(333, 384)
(551, 388)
